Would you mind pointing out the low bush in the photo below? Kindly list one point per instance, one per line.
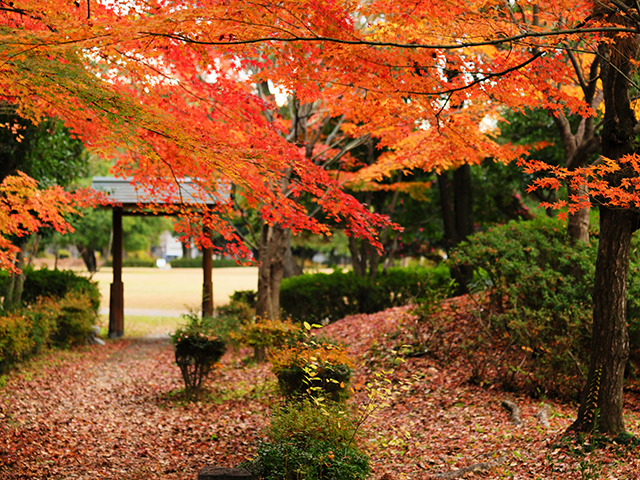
(539, 311)
(45, 283)
(135, 263)
(16, 342)
(263, 334)
(197, 263)
(197, 346)
(305, 442)
(62, 322)
(74, 320)
(322, 298)
(312, 368)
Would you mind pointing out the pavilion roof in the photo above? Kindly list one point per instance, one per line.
(123, 191)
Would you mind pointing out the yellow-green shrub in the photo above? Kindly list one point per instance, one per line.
(16, 342)
(314, 368)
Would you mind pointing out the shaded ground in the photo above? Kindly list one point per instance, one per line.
(111, 412)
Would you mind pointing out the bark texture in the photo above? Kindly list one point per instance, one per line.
(601, 406)
(273, 246)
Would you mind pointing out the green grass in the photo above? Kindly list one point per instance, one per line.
(139, 326)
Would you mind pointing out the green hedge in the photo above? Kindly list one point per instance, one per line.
(322, 297)
(58, 309)
(539, 286)
(197, 263)
(135, 262)
(57, 283)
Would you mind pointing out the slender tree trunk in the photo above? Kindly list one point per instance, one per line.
(601, 406)
(578, 222)
(273, 246)
(13, 296)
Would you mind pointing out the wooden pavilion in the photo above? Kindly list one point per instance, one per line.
(132, 200)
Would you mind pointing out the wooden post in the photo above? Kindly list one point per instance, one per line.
(116, 300)
(207, 283)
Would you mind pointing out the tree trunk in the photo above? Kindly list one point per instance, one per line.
(578, 222)
(273, 246)
(89, 257)
(291, 267)
(457, 216)
(601, 406)
(15, 287)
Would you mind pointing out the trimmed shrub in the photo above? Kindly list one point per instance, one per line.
(48, 322)
(262, 334)
(135, 263)
(197, 348)
(16, 342)
(74, 320)
(324, 297)
(197, 263)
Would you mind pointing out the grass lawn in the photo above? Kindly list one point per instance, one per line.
(155, 298)
(177, 289)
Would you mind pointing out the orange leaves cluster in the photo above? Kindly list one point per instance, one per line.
(170, 86)
(24, 209)
(613, 183)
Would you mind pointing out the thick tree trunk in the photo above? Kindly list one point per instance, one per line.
(457, 216)
(273, 246)
(601, 406)
(89, 257)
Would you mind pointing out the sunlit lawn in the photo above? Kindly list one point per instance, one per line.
(158, 297)
(178, 289)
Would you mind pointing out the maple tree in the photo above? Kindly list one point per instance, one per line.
(165, 82)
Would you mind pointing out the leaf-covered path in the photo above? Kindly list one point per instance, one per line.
(111, 412)
(106, 412)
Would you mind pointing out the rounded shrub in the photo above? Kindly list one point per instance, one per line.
(313, 368)
(197, 348)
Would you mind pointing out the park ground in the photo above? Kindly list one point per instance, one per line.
(116, 412)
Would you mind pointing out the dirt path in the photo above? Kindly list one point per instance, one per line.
(107, 412)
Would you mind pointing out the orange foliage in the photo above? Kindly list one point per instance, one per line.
(168, 87)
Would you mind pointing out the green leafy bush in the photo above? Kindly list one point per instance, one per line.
(539, 288)
(45, 283)
(74, 320)
(307, 442)
(312, 368)
(197, 263)
(48, 322)
(197, 346)
(16, 342)
(322, 297)
(263, 333)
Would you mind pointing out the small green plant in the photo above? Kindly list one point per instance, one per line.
(197, 348)
(314, 367)
(305, 442)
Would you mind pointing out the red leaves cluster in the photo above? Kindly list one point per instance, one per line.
(24, 208)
